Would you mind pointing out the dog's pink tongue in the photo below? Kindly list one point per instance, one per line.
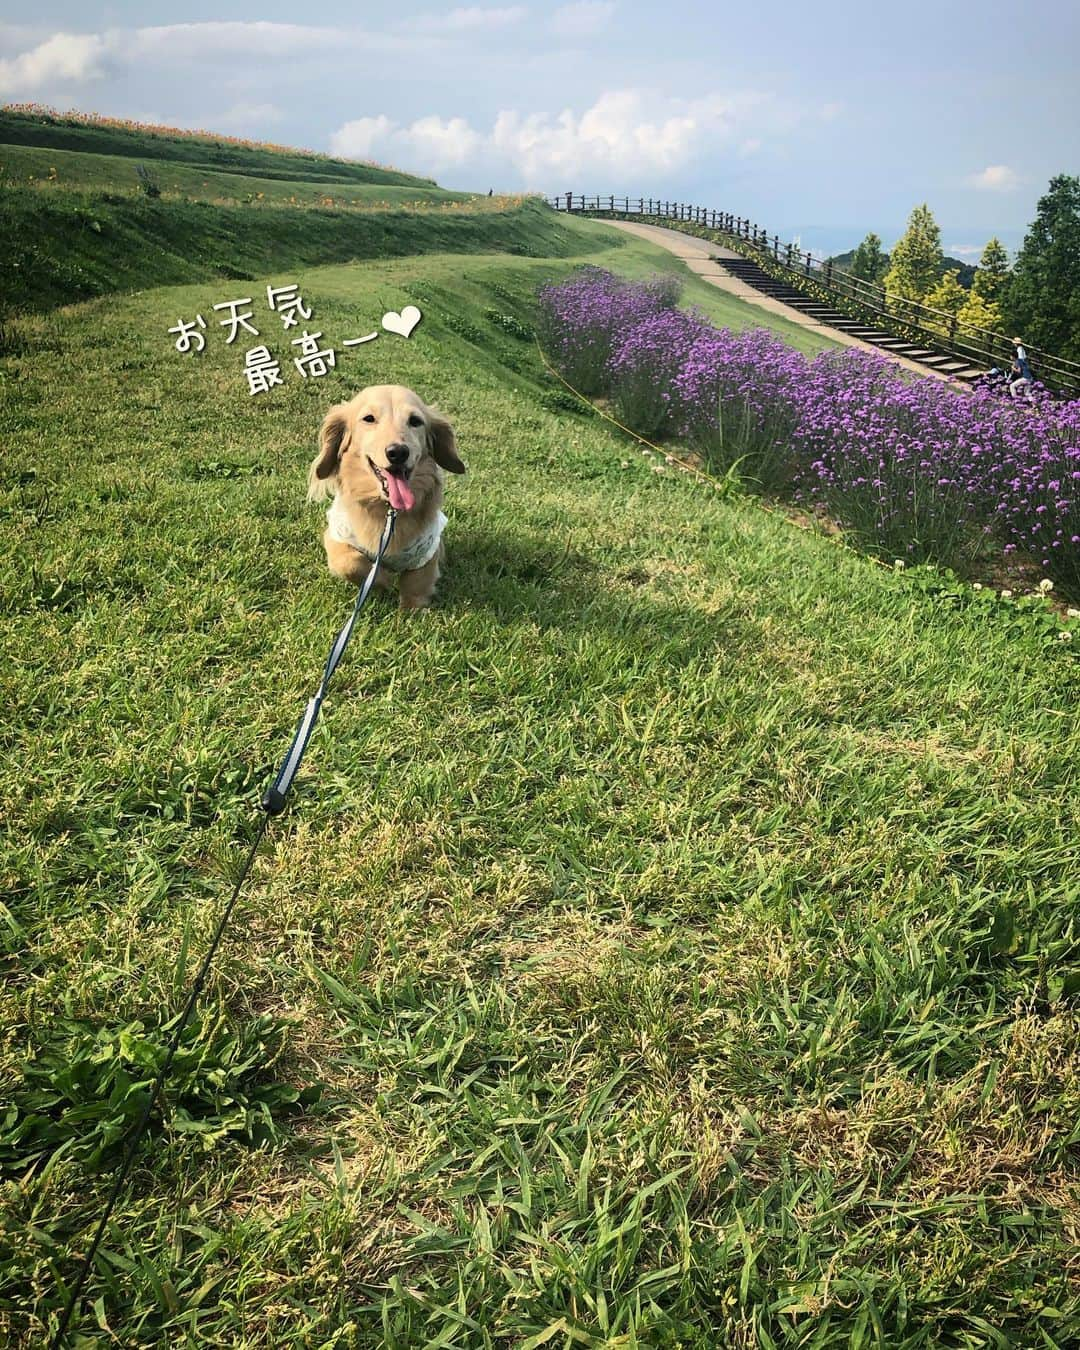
(401, 494)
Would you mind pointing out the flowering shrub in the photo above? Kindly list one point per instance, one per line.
(736, 399)
(890, 459)
(645, 361)
(913, 468)
(1036, 473)
(580, 320)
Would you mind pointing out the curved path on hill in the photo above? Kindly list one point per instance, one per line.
(698, 255)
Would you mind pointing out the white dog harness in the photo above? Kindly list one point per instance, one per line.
(415, 555)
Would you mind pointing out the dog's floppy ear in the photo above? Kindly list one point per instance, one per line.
(442, 444)
(333, 436)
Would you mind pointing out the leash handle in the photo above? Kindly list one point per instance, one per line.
(274, 798)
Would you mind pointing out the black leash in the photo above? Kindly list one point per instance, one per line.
(273, 803)
(140, 1126)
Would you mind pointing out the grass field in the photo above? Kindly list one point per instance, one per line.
(672, 940)
(77, 222)
(70, 246)
(49, 168)
(169, 149)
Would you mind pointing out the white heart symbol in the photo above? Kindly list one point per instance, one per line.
(402, 323)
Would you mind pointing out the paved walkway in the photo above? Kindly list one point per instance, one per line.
(697, 254)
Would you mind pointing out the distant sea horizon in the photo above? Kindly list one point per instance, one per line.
(961, 242)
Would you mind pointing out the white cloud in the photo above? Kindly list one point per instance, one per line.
(620, 133)
(963, 250)
(428, 141)
(995, 178)
(358, 139)
(64, 58)
(625, 134)
(583, 18)
(471, 17)
(450, 142)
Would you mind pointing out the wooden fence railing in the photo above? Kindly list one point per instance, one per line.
(801, 269)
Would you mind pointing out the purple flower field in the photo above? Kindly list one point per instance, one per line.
(912, 468)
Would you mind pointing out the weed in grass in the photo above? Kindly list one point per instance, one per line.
(147, 182)
(509, 324)
(83, 1088)
(561, 401)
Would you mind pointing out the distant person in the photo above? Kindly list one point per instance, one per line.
(490, 191)
(1022, 378)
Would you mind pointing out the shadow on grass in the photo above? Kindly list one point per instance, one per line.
(544, 582)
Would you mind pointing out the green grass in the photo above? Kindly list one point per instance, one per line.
(78, 224)
(672, 940)
(111, 173)
(170, 150)
(66, 246)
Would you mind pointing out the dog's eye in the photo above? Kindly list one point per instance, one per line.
(368, 417)
(416, 421)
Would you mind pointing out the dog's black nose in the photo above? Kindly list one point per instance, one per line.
(397, 455)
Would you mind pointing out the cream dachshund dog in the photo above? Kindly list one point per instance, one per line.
(385, 446)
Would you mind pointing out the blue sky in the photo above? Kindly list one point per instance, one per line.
(821, 121)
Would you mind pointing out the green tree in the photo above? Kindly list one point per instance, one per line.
(949, 297)
(977, 313)
(869, 261)
(992, 272)
(1041, 303)
(917, 262)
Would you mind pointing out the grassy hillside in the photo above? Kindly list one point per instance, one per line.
(77, 224)
(51, 131)
(67, 246)
(673, 936)
(49, 168)
(78, 221)
(63, 247)
(672, 939)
